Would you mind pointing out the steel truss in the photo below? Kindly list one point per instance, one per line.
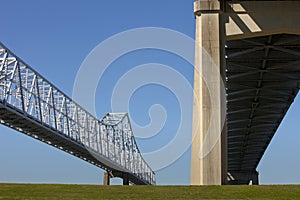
(32, 105)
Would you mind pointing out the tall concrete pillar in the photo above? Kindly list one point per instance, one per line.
(209, 149)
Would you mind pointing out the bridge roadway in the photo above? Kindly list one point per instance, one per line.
(32, 105)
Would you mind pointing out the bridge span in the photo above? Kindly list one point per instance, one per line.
(33, 106)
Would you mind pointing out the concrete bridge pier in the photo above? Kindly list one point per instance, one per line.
(209, 149)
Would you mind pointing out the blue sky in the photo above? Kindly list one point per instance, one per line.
(55, 37)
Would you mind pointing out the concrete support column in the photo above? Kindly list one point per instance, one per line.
(106, 180)
(209, 149)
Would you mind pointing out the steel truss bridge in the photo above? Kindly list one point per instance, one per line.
(32, 105)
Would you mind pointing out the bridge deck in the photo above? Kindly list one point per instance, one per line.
(263, 77)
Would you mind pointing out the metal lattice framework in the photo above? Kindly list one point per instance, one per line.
(32, 105)
(263, 78)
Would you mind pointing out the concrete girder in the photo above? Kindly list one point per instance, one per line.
(249, 19)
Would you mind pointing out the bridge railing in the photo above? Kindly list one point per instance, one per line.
(31, 94)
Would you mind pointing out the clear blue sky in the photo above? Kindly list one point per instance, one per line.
(55, 37)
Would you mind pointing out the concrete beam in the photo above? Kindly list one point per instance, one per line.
(207, 6)
(260, 18)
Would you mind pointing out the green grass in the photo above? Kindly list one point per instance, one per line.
(30, 191)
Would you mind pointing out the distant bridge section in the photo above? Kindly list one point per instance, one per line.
(32, 105)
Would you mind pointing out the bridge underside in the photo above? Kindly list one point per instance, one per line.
(15, 119)
(263, 75)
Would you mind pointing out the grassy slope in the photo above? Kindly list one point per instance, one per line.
(23, 191)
